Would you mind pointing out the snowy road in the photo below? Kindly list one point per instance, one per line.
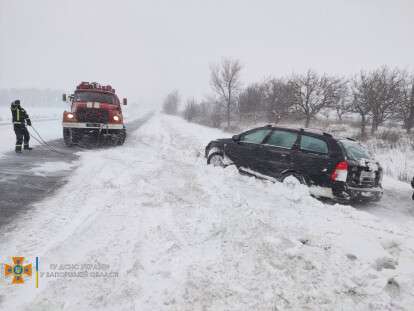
(30, 177)
(33, 176)
(180, 235)
(396, 205)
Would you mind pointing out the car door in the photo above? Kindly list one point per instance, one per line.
(245, 151)
(276, 155)
(312, 159)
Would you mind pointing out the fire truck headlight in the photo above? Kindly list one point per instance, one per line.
(70, 115)
(116, 118)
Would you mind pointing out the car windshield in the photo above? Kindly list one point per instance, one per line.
(94, 97)
(355, 150)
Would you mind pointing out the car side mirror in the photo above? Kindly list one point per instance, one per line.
(64, 98)
(124, 101)
(236, 138)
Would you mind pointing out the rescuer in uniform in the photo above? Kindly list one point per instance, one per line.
(20, 119)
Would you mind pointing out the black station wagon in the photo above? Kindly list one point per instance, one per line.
(335, 168)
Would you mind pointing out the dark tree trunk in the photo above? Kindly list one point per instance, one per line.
(307, 121)
(228, 107)
(228, 114)
(363, 127)
(374, 126)
(410, 119)
(339, 114)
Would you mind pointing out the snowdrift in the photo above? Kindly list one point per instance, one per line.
(186, 236)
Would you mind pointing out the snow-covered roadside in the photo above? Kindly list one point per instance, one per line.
(185, 236)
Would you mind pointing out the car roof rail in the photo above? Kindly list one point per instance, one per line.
(316, 131)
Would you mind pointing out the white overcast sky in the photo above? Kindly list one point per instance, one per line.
(146, 48)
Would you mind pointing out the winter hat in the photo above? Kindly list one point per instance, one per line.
(16, 103)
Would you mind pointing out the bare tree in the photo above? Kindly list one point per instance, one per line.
(278, 98)
(210, 111)
(251, 101)
(191, 110)
(405, 110)
(205, 112)
(225, 81)
(362, 90)
(344, 100)
(216, 115)
(378, 94)
(388, 93)
(171, 102)
(313, 93)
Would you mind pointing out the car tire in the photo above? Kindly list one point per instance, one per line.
(293, 179)
(216, 159)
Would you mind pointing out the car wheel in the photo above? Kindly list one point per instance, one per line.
(293, 179)
(216, 159)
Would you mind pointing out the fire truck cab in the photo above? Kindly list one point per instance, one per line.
(95, 112)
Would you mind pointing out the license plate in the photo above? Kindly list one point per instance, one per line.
(368, 175)
(92, 124)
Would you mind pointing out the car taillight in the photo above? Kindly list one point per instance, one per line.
(340, 172)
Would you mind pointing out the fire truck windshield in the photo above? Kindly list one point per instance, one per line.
(94, 97)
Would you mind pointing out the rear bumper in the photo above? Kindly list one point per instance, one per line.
(86, 125)
(358, 194)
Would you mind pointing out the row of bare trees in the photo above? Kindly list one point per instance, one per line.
(377, 96)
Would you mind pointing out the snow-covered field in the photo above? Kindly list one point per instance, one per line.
(180, 235)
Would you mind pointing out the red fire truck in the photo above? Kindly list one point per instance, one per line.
(96, 113)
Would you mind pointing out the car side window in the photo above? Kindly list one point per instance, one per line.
(282, 139)
(309, 143)
(255, 137)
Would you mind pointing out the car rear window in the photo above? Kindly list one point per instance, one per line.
(255, 136)
(313, 144)
(282, 139)
(354, 150)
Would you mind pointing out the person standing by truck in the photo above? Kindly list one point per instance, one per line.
(20, 119)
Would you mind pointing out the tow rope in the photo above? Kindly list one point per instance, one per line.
(42, 142)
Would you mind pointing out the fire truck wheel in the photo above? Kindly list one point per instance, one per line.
(121, 137)
(67, 137)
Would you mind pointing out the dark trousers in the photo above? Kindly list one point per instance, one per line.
(22, 136)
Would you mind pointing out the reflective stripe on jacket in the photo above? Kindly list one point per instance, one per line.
(19, 115)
